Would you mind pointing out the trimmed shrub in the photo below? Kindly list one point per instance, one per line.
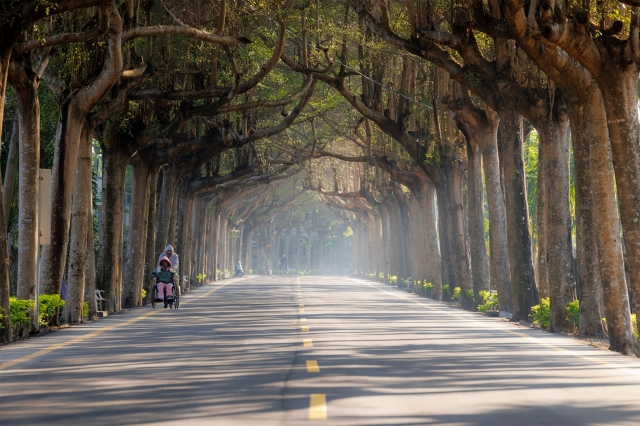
(456, 293)
(50, 307)
(541, 315)
(490, 301)
(573, 314)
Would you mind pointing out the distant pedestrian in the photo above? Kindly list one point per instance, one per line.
(173, 258)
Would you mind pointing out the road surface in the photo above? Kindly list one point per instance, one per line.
(312, 350)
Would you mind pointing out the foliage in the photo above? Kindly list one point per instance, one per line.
(541, 314)
(85, 309)
(470, 295)
(573, 313)
(490, 301)
(19, 311)
(445, 292)
(50, 307)
(635, 326)
(2, 316)
(144, 294)
(393, 279)
(201, 277)
(456, 293)
(428, 287)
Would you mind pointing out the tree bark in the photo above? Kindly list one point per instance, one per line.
(133, 278)
(5, 330)
(589, 280)
(81, 224)
(555, 144)
(72, 116)
(11, 171)
(110, 256)
(475, 194)
(25, 82)
(523, 286)
(150, 245)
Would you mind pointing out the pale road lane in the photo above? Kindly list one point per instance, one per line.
(244, 352)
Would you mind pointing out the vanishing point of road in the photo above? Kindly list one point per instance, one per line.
(312, 350)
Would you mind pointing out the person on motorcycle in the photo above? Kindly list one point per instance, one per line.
(164, 278)
(239, 270)
(173, 257)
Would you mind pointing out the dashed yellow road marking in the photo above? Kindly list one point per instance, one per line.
(304, 328)
(301, 305)
(298, 280)
(307, 343)
(301, 311)
(79, 339)
(312, 366)
(317, 406)
(303, 320)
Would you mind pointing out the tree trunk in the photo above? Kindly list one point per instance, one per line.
(434, 256)
(589, 274)
(90, 275)
(498, 242)
(591, 130)
(555, 144)
(477, 244)
(542, 271)
(11, 171)
(25, 82)
(619, 92)
(5, 330)
(133, 278)
(72, 116)
(165, 209)
(81, 224)
(110, 256)
(524, 292)
(150, 245)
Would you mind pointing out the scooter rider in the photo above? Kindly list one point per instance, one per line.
(239, 270)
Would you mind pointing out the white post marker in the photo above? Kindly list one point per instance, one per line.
(44, 231)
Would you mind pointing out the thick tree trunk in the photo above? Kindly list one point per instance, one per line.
(589, 275)
(5, 330)
(451, 180)
(555, 144)
(25, 82)
(165, 209)
(110, 256)
(498, 242)
(150, 245)
(524, 291)
(90, 275)
(447, 265)
(11, 170)
(619, 92)
(133, 278)
(478, 247)
(72, 116)
(81, 224)
(542, 270)
(434, 259)
(590, 128)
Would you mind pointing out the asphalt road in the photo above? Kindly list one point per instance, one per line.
(291, 351)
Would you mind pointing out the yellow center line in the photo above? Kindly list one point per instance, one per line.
(303, 320)
(79, 339)
(307, 343)
(312, 366)
(318, 406)
(301, 311)
(304, 328)
(301, 305)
